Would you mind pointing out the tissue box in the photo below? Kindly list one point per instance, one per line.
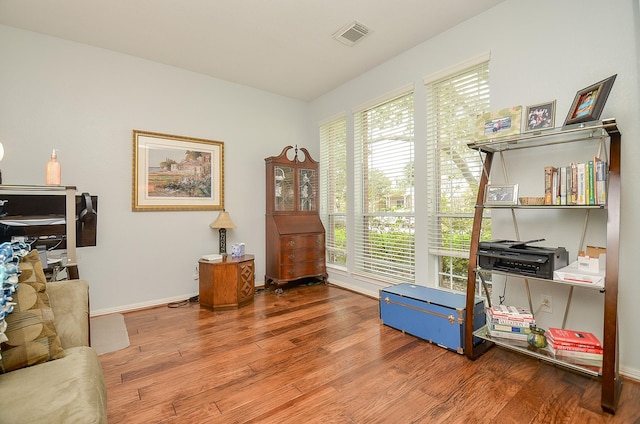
(237, 249)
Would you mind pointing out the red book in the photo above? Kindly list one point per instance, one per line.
(574, 348)
(573, 337)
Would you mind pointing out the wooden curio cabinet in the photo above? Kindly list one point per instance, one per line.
(295, 239)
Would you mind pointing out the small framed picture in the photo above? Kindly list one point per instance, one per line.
(540, 117)
(589, 102)
(499, 124)
(506, 194)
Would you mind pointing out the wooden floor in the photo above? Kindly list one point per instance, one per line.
(318, 354)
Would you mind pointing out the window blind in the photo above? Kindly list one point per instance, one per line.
(454, 170)
(384, 189)
(333, 192)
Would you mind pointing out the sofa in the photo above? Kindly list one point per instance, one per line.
(66, 390)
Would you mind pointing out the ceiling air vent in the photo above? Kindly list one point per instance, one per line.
(351, 33)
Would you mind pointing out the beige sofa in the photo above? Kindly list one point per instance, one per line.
(66, 390)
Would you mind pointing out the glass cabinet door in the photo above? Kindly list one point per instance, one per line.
(283, 188)
(307, 192)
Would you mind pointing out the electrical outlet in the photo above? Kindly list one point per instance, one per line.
(546, 303)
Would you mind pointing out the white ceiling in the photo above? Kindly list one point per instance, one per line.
(281, 46)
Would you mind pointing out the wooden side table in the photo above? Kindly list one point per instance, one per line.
(227, 283)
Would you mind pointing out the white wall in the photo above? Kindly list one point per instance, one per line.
(539, 52)
(86, 102)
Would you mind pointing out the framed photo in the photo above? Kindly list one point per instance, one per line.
(540, 117)
(501, 194)
(498, 124)
(174, 173)
(589, 102)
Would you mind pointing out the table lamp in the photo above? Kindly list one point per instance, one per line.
(223, 222)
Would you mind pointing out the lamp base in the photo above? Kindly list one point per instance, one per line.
(223, 241)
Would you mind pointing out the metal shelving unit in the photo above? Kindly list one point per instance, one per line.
(598, 131)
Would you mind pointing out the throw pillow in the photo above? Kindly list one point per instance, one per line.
(31, 332)
(9, 276)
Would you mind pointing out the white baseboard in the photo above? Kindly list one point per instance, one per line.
(631, 373)
(356, 289)
(142, 305)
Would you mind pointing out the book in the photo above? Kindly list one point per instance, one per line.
(555, 196)
(591, 183)
(573, 348)
(601, 181)
(581, 358)
(510, 312)
(508, 335)
(212, 257)
(526, 323)
(548, 185)
(563, 185)
(510, 329)
(573, 196)
(573, 337)
(581, 184)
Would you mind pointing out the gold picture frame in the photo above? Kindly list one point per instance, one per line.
(176, 173)
(500, 123)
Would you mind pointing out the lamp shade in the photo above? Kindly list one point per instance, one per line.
(1, 151)
(223, 221)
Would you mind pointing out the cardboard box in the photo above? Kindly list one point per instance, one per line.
(594, 261)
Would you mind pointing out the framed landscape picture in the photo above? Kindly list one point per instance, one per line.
(501, 123)
(174, 173)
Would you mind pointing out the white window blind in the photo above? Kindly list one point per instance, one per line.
(454, 170)
(333, 190)
(384, 190)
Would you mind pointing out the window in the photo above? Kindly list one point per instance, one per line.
(454, 170)
(333, 193)
(384, 187)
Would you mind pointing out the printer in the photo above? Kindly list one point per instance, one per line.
(517, 257)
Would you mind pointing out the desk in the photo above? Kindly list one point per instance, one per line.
(226, 283)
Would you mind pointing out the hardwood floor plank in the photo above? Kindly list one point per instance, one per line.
(319, 406)
(319, 354)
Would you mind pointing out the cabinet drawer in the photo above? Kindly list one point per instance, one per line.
(302, 269)
(301, 241)
(300, 255)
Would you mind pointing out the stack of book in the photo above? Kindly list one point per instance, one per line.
(582, 183)
(509, 322)
(579, 347)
